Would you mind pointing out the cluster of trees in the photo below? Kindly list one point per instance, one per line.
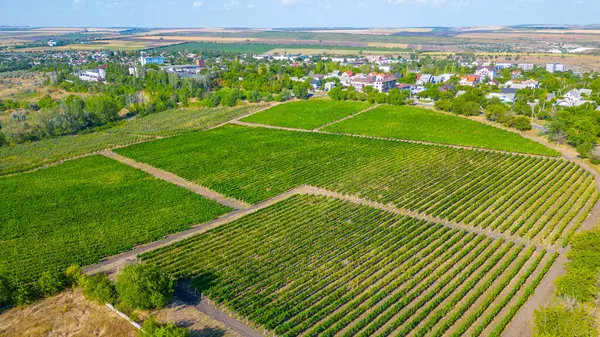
(371, 95)
(51, 118)
(577, 289)
(137, 287)
(579, 127)
(474, 101)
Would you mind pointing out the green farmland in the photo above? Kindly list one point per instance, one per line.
(87, 209)
(27, 156)
(425, 125)
(317, 266)
(539, 198)
(306, 114)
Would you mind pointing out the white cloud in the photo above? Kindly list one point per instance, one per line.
(288, 2)
(197, 4)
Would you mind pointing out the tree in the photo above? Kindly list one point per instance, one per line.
(6, 290)
(50, 283)
(336, 94)
(100, 289)
(522, 123)
(443, 104)
(560, 321)
(495, 112)
(74, 276)
(143, 286)
(151, 328)
(301, 91)
(254, 96)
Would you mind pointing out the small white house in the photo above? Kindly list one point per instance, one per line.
(486, 72)
(330, 85)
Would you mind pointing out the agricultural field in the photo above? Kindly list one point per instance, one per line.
(87, 209)
(425, 125)
(178, 121)
(253, 46)
(543, 199)
(27, 156)
(316, 266)
(306, 114)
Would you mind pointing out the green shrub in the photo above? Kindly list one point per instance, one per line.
(100, 289)
(6, 290)
(144, 287)
(50, 283)
(559, 321)
(26, 294)
(151, 328)
(74, 276)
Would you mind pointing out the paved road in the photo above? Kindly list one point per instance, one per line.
(539, 127)
(188, 296)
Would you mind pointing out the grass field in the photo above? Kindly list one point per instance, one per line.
(23, 157)
(306, 114)
(86, 209)
(539, 198)
(425, 125)
(316, 266)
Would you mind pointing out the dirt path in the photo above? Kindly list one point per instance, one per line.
(173, 179)
(230, 322)
(244, 116)
(347, 117)
(114, 263)
(544, 293)
(257, 125)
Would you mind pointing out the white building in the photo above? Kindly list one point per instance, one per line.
(486, 72)
(90, 76)
(525, 66)
(423, 79)
(555, 67)
(329, 86)
(503, 65)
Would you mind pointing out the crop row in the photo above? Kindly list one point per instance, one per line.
(312, 265)
(532, 197)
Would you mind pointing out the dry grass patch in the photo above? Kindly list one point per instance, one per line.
(65, 315)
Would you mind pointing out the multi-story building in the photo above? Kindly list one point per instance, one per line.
(525, 66)
(381, 82)
(486, 72)
(555, 67)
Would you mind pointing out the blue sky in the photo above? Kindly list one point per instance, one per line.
(295, 13)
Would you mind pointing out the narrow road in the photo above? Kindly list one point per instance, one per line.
(189, 297)
(173, 179)
(347, 117)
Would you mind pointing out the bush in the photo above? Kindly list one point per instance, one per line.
(74, 276)
(522, 123)
(151, 328)
(560, 321)
(50, 283)
(26, 294)
(6, 290)
(100, 289)
(144, 287)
